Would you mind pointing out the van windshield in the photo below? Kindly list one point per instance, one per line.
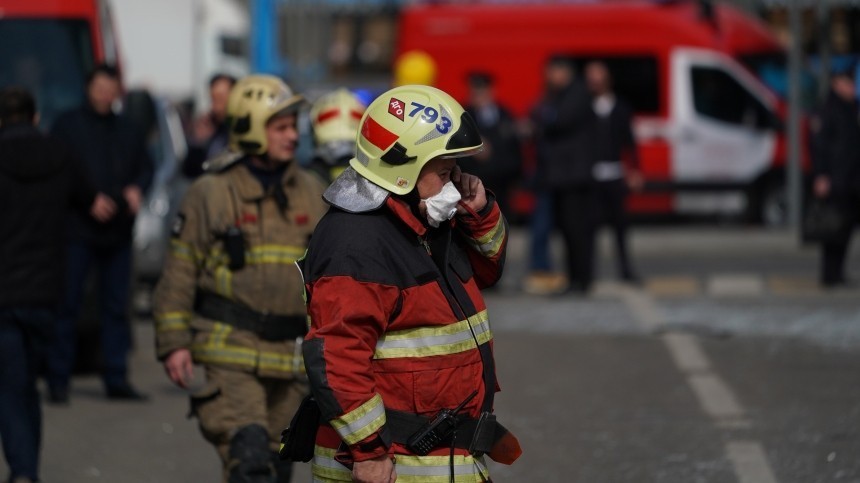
(50, 58)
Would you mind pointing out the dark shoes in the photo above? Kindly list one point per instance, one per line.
(125, 392)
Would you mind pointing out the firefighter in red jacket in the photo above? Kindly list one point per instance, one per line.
(399, 329)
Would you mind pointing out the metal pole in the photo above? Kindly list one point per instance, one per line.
(264, 33)
(795, 182)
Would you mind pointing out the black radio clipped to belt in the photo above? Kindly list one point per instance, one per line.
(437, 430)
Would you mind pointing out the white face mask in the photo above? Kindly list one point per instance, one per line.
(442, 207)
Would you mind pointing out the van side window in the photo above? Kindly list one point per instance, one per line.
(719, 96)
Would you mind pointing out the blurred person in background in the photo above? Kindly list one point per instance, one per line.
(209, 135)
(230, 296)
(499, 165)
(38, 182)
(114, 154)
(614, 144)
(836, 169)
(334, 119)
(563, 121)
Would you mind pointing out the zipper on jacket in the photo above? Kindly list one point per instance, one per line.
(425, 244)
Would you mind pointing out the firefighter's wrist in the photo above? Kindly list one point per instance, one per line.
(369, 448)
(488, 208)
(482, 213)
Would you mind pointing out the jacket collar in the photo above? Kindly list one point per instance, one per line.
(249, 188)
(401, 210)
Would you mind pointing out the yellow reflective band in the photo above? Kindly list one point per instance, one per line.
(275, 254)
(325, 468)
(224, 282)
(435, 340)
(260, 255)
(183, 251)
(410, 469)
(437, 469)
(490, 244)
(172, 321)
(361, 422)
(274, 361)
(216, 350)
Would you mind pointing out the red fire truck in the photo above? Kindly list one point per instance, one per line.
(49, 46)
(708, 128)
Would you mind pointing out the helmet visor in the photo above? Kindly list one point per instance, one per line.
(466, 141)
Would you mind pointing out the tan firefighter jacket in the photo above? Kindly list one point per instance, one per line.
(268, 283)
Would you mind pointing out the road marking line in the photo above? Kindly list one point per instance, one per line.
(735, 285)
(715, 396)
(673, 286)
(687, 353)
(645, 311)
(750, 462)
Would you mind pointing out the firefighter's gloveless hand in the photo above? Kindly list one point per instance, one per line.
(377, 470)
(472, 190)
(179, 367)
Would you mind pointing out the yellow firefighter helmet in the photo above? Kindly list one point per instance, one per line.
(405, 128)
(254, 100)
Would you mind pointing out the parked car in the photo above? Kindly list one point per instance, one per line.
(167, 145)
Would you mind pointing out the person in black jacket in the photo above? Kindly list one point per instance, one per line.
(563, 119)
(210, 134)
(38, 182)
(836, 169)
(500, 163)
(114, 154)
(612, 134)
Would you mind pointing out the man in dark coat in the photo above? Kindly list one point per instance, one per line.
(38, 181)
(836, 167)
(210, 134)
(500, 163)
(114, 154)
(616, 169)
(563, 120)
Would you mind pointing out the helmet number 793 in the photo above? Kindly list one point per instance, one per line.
(430, 115)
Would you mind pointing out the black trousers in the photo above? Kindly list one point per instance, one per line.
(576, 215)
(611, 199)
(834, 254)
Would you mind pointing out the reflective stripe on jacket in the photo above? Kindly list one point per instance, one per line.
(391, 330)
(268, 282)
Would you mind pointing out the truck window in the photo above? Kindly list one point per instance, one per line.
(50, 58)
(635, 80)
(719, 96)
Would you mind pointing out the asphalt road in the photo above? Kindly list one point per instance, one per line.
(728, 365)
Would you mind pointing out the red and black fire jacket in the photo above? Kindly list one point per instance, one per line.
(398, 321)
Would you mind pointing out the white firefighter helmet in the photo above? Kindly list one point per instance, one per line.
(335, 117)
